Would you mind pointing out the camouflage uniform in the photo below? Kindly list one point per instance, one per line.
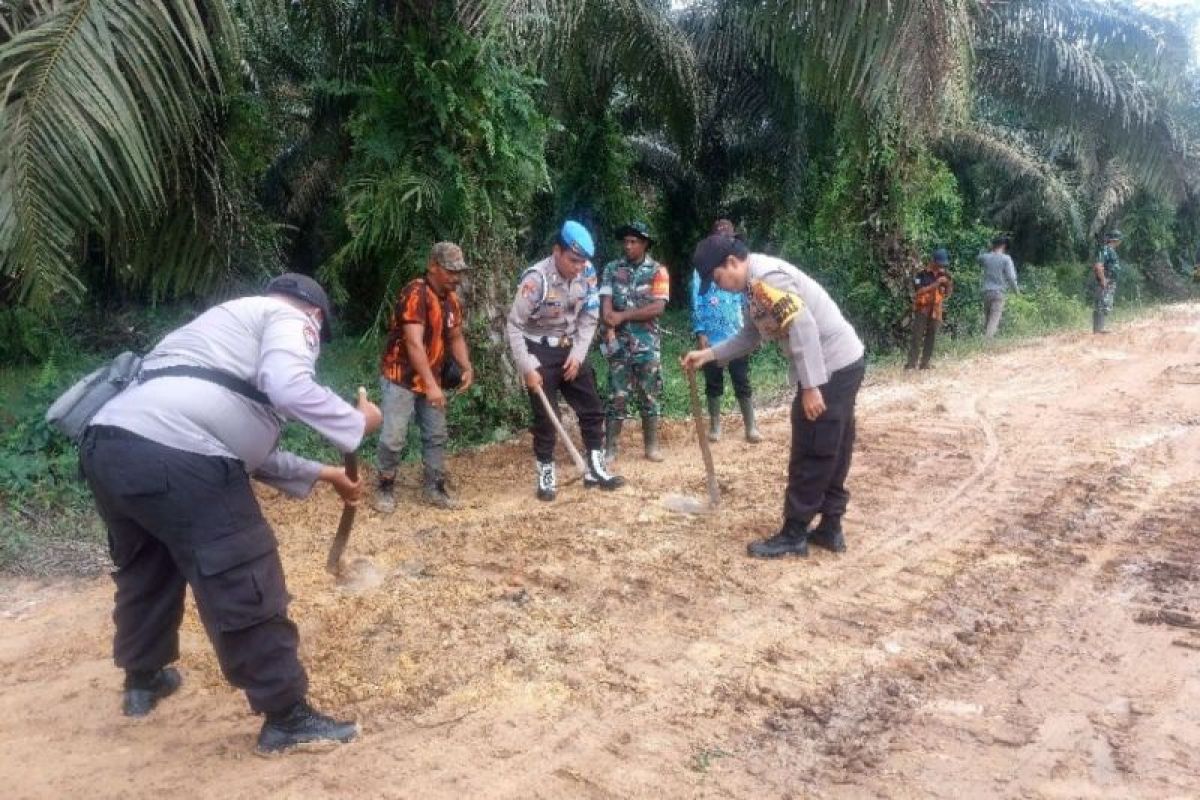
(634, 355)
(1105, 295)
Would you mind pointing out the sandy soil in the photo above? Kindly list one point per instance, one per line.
(1018, 616)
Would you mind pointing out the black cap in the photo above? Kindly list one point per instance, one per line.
(711, 253)
(1000, 241)
(302, 287)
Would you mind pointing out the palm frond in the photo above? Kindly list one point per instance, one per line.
(1021, 162)
(102, 104)
(904, 57)
(1116, 189)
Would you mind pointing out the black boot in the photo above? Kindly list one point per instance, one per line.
(612, 438)
(792, 539)
(143, 690)
(301, 724)
(384, 499)
(828, 534)
(598, 474)
(435, 490)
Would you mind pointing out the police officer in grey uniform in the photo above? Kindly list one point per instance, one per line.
(169, 462)
(825, 363)
(550, 328)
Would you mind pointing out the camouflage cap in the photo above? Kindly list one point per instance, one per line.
(636, 228)
(448, 256)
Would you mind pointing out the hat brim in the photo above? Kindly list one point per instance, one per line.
(629, 230)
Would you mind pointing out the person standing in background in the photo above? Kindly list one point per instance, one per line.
(934, 287)
(716, 317)
(999, 274)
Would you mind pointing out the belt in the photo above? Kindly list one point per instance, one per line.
(551, 341)
(113, 432)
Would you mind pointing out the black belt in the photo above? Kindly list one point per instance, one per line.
(230, 382)
(551, 341)
(112, 432)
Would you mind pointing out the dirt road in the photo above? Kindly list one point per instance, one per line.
(1018, 616)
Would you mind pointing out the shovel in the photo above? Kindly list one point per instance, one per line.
(580, 464)
(338, 548)
(691, 505)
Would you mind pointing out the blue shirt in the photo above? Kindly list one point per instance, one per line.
(717, 313)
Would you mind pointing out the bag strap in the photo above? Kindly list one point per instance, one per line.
(230, 382)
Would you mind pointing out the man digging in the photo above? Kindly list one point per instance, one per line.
(827, 366)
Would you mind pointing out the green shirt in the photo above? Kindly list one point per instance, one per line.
(634, 286)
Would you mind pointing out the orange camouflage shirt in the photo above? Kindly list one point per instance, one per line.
(932, 291)
(417, 304)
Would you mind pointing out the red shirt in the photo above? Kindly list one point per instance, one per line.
(418, 304)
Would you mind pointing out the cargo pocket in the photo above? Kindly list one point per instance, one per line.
(823, 438)
(241, 579)
(138, 480)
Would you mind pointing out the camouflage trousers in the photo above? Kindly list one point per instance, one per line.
(1105, 296)
(640, 377)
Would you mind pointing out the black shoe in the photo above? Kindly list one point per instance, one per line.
(301, 724)
(435, 493)
(829, 535)
(143, 691)
(792, 540)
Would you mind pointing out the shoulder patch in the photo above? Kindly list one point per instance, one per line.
(773, 310)
(311, 337)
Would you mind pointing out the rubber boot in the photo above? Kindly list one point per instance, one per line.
(598, 475)
(714, 418)
(650, 438)
(612, 438)
(435, 492)
(143, 690)
(828, 534)
(547, 481)
(747, 406)
(301, 724)
(792, 539)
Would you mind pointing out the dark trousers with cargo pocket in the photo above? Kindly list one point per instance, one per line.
(178, 519)
(821, 450)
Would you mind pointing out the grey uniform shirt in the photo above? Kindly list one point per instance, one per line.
(812, 332)
(547, 304)
(270, 344)
(998, 272)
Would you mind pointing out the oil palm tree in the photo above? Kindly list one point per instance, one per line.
(107, 119)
